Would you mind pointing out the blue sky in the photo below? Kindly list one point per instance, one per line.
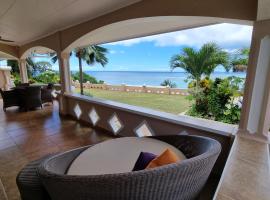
(153, 53)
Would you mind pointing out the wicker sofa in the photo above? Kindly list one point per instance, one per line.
(183, 180)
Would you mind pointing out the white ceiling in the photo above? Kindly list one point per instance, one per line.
(27, 20)
(145, 26)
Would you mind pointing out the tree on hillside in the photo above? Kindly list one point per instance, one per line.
(168, 83)
(33, 68)
(86, 78)
(14, 66)
(240, 60)
(200, 62)
(91, 54)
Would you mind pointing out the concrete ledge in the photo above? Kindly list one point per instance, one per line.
(247, 171)
(201, 124)
(134, 88)
(5, 68)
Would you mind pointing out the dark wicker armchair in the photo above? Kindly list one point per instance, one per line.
(10, 98)
(30, 97)
(23, 85)
(183, 180)
(46, 94)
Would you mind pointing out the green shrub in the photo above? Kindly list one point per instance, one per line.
(16, 78)
(86, 77)
(47, 77)
(218, 100)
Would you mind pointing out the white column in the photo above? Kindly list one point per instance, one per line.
(256, 117)
(64, 70)
(5, 80)
(23, 71)
(260, 91)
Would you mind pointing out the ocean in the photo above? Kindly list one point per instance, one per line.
(152, 78)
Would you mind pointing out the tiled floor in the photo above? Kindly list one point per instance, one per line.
(26, 136)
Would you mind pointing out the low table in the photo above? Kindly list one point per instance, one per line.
(117, 155)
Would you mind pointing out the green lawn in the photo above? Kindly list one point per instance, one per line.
(167, 103)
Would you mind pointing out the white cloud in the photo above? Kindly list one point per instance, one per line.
(112, 52)
(115, 52)
(229, 36)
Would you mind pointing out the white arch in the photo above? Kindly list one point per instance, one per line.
(145, 26)
(36, 49)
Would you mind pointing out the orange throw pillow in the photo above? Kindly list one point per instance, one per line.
(167, 157)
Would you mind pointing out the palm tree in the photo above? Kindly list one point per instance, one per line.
(200, 62)
(91, 54)
(240, 60)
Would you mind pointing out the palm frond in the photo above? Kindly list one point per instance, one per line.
(54, 57)
(93, 54)
(201, 62)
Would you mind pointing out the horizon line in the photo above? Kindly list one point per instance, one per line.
(148, 71)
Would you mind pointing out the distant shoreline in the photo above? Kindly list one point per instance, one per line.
(154, 78)
(89, 71)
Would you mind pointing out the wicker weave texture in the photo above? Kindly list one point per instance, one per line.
(183, 180)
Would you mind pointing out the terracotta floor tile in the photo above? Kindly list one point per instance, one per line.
(32, 144)
(13, 167)
(10, 154)
(42, 152)
(8, 175)
(4, 135)
(6, 143)
(9, 183)
(3, 194)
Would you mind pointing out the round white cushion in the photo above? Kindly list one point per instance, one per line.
(117, 155)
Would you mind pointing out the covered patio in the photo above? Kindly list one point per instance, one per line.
(242, 170)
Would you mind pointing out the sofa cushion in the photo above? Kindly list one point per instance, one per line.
(117, 155)
(143, 160)
(167, 157)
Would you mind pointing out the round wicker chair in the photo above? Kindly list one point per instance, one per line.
(183, 180)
